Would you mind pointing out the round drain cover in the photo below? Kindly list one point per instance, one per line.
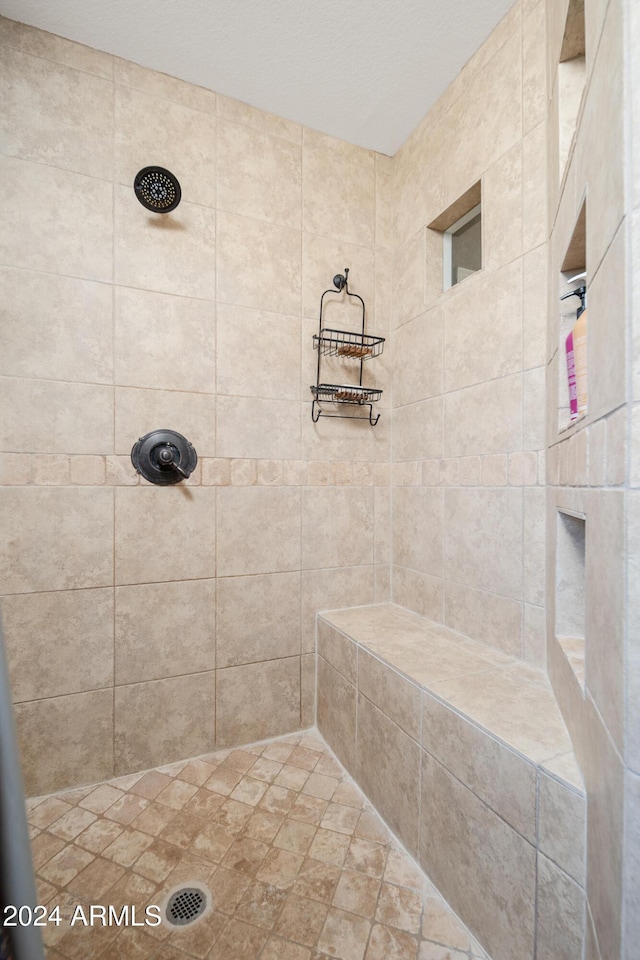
(185, 906)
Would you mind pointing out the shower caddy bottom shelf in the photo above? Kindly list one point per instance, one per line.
(341, 394)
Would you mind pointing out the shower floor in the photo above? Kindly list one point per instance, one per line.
(299, 865)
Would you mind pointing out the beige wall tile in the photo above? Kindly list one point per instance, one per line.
(250, 427)
(482, 328)
(534, 189)
(70, 340)
(616, 447)
(184, 143)
(308, 690)
(591, 948)
(633, 632)
(331, 589)
(480, 864)
(338, 650)
(382, 531)
(46, 416)
(534, 639)
(498, 776)
(50, 469)
(245, 338)
(483, 547)
(560, 914)
(152, 726)
(419, 344)
(634, 260)
(56, 539)
(604, 779)
(338, 189)
(388, 771)
(382, 583)
(499, 430)
(418, 592)
(601, 138)
(149, 619)
(259, 175)
(418, 529)
(494, 470)
(259, 119)
(257, 700)
(69, 631)
(604, 607)
(390, 692)
(334, 439)
(258, 530)
(178, 522)
(337, 526)
(632, 861)
(409, 276)
(561, 826)
(484, 616)
(65, 741)
(336, 709)
(56, 115)
(324, 257)
(483, 127)
(418, 430)
(273, 283)
(140, 411)
(161, 85)
(56, 221)
(606, 349)
(597, 448)
(534, 72)
(51, 47)
(534, 307)
(258, 618)
(534, 540)
(533, 406)
(164, 342)
(16, 469)
(169, 254)
(502, 211)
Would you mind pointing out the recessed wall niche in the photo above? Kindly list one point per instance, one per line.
(570, 589)
(572, 74)
(574, 263)
(461, 228)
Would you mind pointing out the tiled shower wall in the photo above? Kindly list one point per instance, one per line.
(592, 466)
(146, 624)
(468, 372)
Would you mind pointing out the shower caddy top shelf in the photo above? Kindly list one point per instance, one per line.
(347, 345)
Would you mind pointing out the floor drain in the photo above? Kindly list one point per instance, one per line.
(186, 905)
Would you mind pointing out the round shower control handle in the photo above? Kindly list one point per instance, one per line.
(164, 457)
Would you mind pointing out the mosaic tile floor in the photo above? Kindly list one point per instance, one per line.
(299, 865)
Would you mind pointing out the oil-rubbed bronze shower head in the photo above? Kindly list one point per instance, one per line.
(157, 189)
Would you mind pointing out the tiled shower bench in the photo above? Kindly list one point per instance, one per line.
(464, 752)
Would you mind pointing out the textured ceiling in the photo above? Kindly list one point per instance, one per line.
(366, 71)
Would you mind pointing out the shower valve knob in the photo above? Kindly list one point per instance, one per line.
(164, 457)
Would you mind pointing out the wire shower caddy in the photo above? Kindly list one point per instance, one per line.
(348, 345)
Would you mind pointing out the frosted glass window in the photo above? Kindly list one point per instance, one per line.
(463, 248)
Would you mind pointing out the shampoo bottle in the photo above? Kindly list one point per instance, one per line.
(576, 348)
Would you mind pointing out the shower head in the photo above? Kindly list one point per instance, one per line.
(157, 189)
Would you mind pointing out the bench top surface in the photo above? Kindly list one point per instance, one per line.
(510, 699)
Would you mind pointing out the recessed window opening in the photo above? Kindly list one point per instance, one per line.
(462, 254)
